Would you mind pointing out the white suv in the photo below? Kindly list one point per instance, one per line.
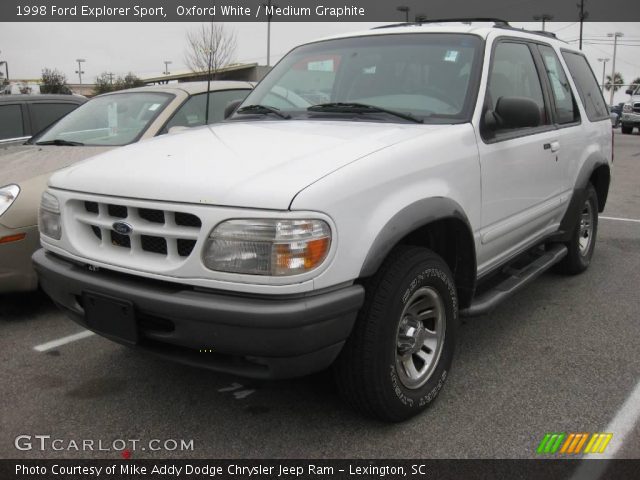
(631, 111)
(371, 189)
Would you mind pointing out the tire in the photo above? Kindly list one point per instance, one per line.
(627, 129)
(580, 248)
(370, 371)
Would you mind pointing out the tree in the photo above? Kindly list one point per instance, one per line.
(108, 82)
(128, 81)
(618, 81)
(54, 81)
(104, 83)
(635, 84)
(211, 44)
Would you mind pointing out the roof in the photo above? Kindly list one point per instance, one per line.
(191, 88)
(189, 74)
(42, 98)
(481, 29)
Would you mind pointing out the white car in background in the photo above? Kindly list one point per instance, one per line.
(103, 123)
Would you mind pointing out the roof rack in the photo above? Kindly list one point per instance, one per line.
(497, 22)
(542, 32)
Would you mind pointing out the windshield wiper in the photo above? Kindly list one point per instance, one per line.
(263, 110)
(61, 142)
(354, 107)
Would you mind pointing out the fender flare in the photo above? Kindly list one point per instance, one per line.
(409, 219)
(578, 196)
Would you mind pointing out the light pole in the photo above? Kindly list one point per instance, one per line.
(544, 18)
(6, 69)
(604, 65)
(615, 36)
(405, 9)
(79, 71)
(269, 6)
(166, 66)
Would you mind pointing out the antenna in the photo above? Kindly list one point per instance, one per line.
(206, 108)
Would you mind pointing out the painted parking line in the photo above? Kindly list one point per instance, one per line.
(621, 426)
(619, 219)
(63, 341)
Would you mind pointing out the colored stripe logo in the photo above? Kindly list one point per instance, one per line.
(573, 443)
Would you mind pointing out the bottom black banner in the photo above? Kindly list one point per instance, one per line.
(318, 469)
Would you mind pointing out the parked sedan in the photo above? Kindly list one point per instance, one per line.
(103, 123)
(22, 116)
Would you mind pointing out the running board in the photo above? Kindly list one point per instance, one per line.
(487, 301)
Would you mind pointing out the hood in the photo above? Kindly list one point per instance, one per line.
(19, 163)
(259, 164)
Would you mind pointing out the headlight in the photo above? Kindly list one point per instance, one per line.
(49, 216)
(267, 246)
(627, 108)
(8, 195)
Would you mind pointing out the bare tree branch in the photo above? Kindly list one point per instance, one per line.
(210, 42)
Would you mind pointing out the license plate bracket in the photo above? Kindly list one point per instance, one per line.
(110, 316)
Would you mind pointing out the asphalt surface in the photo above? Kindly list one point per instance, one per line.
(561, 356)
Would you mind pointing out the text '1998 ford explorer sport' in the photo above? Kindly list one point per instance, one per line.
(371, 189)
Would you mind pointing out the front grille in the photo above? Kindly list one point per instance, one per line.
(187, 220)
(117, 211)
(155, 216)
(636, 107)
(153, 232)
(120, 240)
(154, 244)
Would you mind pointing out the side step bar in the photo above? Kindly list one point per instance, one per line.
(487, 301)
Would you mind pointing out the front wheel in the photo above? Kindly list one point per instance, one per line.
(627, 129)
(583, 241)
(399, 354)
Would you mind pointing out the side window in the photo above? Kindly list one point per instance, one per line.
(566, 108)
(587, 86)
(514, 74)
(11, 125)
(219, 101)
(44, 114)
(192, 112)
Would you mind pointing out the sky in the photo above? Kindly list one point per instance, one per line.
(143, 47)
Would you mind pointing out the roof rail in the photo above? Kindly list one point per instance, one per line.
(543, 32)
(496, 22)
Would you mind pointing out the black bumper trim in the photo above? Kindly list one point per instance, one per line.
(265, 337)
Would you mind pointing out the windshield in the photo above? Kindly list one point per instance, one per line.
(430, 76)
(116, 119)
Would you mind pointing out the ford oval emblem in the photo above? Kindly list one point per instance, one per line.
(122, 228)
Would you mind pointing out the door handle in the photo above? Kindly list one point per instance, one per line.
(553, 146)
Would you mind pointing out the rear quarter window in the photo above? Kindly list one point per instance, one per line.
(587, 86)
(44, 114)
(11, 125)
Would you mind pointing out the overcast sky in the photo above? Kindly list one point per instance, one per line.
(143, 47)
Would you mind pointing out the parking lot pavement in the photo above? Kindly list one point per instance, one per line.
(561, 356)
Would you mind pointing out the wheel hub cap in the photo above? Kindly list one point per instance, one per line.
(420, 337)
(586, 229)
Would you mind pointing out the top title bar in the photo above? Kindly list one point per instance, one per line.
(314, 10)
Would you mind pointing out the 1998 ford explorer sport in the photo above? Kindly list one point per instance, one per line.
(371, 189)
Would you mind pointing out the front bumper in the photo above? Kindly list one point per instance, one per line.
(631, 119)
(16, 270)
(255, 336)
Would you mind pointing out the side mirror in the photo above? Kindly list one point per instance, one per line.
(629, 91)
(231, 107)
(517, 112)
